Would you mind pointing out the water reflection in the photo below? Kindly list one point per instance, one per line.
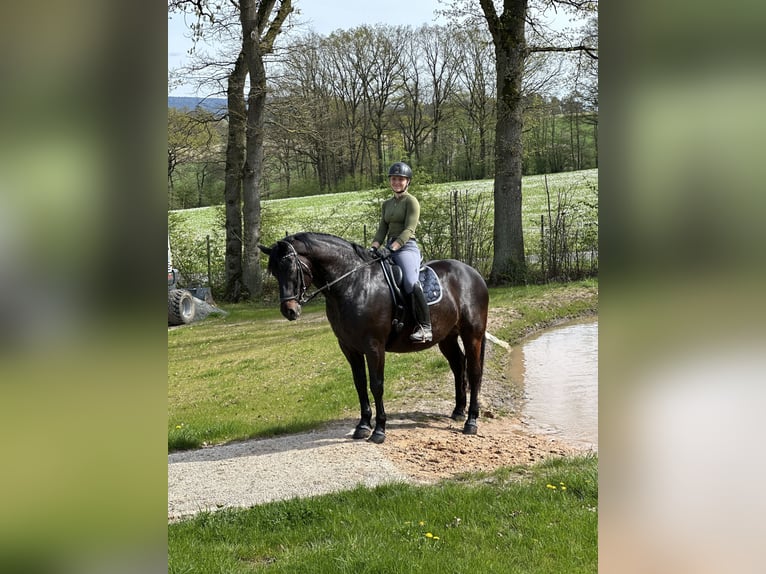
(558, 372)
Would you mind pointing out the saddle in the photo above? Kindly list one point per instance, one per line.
(429, 280)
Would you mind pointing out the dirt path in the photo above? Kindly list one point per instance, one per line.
(422, 445)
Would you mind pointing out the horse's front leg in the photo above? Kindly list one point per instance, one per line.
(376, 361)
(356, 360)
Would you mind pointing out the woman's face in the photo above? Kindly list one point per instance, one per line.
(398, 183)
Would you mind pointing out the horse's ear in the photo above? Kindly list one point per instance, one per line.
(265, 250)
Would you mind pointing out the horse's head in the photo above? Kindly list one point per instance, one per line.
(293, 275)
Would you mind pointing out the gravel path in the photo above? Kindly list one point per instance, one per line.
(257, 471)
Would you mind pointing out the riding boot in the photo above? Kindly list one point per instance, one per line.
(422, 316)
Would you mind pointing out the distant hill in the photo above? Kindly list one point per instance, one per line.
(213, 105)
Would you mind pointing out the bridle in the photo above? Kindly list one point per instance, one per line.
(301, 279)
(301, 297)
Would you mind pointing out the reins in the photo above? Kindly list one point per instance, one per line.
(301, 297)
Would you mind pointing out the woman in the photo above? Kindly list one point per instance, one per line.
(398, 220)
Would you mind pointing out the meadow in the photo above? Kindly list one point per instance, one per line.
(569, 198)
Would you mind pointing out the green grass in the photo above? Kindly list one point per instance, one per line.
(513, 520)
(344, 214)
(255, 374)
(535, 307)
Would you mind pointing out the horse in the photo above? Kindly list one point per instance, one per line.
(360, 310)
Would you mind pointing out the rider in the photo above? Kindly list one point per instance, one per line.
(398, 220)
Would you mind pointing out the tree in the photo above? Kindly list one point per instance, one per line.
(235, 160)
(193, 147)
(476, 97)
(508, 31)
(259, 26)
(258, 36)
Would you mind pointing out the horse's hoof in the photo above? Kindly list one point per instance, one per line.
(362, 431)
(470, 428)
(458, 416)
(378, 437)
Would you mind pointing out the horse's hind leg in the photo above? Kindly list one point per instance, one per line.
(450, 348)
(474, 348)
(358, 370)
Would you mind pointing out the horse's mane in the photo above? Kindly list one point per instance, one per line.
(313, 239)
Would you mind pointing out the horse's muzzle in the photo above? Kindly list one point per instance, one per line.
(291, 309)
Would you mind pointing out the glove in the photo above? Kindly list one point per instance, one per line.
(383, 252)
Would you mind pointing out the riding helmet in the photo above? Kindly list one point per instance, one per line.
(400, 168)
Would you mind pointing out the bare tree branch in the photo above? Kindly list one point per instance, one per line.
(587, 49)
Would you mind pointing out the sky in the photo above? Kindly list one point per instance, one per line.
(321, 16)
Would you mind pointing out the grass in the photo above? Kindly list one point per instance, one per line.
(540, 519)
(254, 374)
(533, 307)
(345, 213)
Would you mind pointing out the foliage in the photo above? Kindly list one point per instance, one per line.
(568, 236)
(540, 519)
(337, 117)
(195, 158)
(191, 234)
(457, 224)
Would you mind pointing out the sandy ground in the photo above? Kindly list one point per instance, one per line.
(253, 472)
(422, 446)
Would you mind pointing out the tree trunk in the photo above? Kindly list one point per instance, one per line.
(508, 264)
(235, 158)
(257, 40)
(251, 180)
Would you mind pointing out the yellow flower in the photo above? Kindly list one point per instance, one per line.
(550, 486)
(563, 488)
(429, 535)
(178, 426)
(421, 523)
(436, 538)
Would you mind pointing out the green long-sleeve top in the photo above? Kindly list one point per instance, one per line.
(398, 219)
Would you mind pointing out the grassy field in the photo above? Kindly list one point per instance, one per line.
(541, 519)
(345, 214)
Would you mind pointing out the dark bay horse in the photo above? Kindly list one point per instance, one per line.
(360, 311)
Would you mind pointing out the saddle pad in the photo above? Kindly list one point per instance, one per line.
(432, 287)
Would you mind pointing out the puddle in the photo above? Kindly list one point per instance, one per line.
(557, 370)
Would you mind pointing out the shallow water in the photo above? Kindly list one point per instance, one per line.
(558, 372)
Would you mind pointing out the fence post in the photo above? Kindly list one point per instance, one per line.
(542, 245)
(209, 274)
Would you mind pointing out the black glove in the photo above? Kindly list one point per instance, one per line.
(383, 252)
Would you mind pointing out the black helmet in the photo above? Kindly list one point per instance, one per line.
(400, 168)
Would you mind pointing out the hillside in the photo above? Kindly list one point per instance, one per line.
(213, 105)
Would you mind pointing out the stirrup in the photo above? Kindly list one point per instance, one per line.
(422, 335)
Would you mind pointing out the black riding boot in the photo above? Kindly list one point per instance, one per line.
(420, 310)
